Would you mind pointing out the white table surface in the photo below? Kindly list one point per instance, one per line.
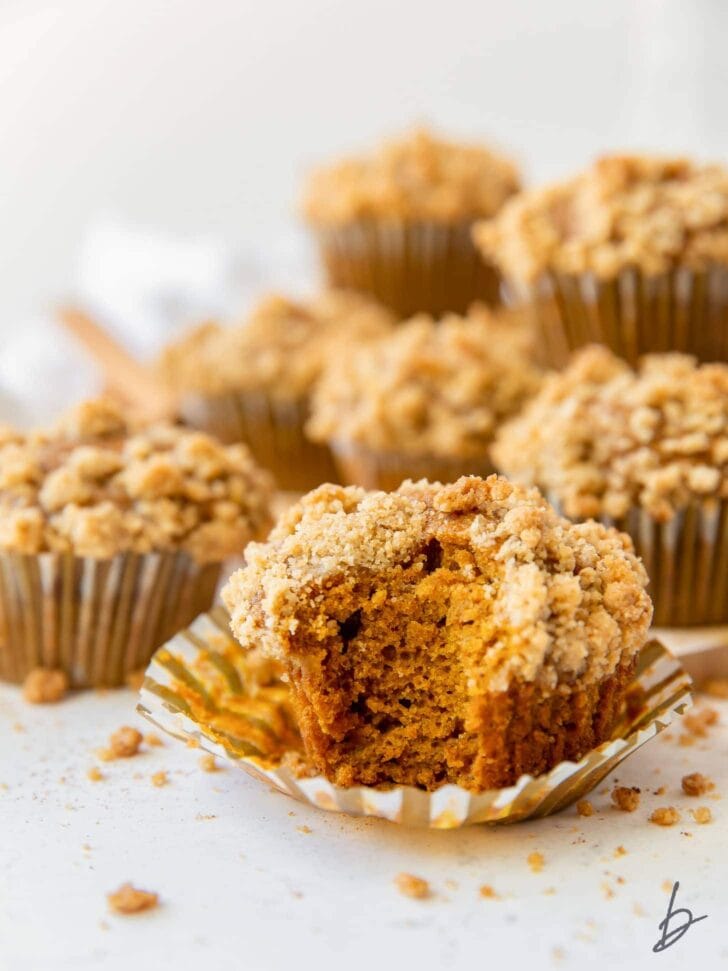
(242, 887)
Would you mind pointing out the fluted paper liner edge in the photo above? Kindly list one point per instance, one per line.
(173, 677)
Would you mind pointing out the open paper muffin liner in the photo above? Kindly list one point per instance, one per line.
(634, 314)
(97, 620)
(686, 560)
(273, 430)
(410, 267)
(387, 470)
(195, 689)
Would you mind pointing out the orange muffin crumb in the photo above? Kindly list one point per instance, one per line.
(702, 814)
(128, 900)
(160, 779)
(584, 808)
(665, 816)
(153, 740)
(626, 798)
(125, 742)
(412, 886)
(208, 763)
(94, 774)
(488, 892)
(536, 861)
(696, 784)
(698, 722)
(44, 686)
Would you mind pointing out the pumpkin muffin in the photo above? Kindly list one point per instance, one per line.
(645, 450)
(396, 222)
(112, 539)
(632, 253)
(251, 382)
(461, 634)
(424, 401)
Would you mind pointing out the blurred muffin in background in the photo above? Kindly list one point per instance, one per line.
(632, 253)
(424, 401)
(251, 382)
(396, 223)
(112, 539)
(645, 450)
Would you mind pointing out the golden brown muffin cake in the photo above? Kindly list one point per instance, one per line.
(646, 450)
(252, 381)
(444, 634)
(396, 222)
(426, 400)
(112, 539)
(633, 252)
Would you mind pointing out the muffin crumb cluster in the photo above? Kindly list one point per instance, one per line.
(649, 212)
(96, 486)
(418, 176)
(601, 438)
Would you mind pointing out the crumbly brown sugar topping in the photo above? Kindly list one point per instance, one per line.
(652, 213)
(95, 486)
(281, 349)
(601, 438)
(559, 601)
(418, 176)
(428, 388)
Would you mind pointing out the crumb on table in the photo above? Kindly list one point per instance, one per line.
(626, 798)
(584, 808)
(208, 763)
(702, 814)
(665, 816)
(412, 886)
(620, 851)
(716, 687)
(124, 742)
(45, 686)
(160, 779)
(488, 892)
(696, 784)
(698, 722)
(129, 900)
(536, 861)
(94, 774)
(153, 740)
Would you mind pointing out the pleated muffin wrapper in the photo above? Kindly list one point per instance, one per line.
(686, 560)
(271, 427)
(633, 314)
(197, 689)
(357, 465)
(97, 620)
(411, 267)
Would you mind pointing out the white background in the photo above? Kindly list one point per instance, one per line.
(200, 116)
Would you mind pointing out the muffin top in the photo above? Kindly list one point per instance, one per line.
(280, 349)
(600, 438)
(655, 214)
(94, 486)
(428, 387)
(557, 601)
(416, 177)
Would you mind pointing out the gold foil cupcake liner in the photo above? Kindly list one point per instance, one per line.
(686, 560)
(197, 689)
(387, 470)
(271, 428)
(410, 267)
(634, 314)
(97, 620)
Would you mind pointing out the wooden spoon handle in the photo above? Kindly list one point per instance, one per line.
(126, 377)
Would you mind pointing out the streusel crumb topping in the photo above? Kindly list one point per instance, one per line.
(417, 176)
(95, 486)
(428, 388)
(281, 348)
(555, 601)
(649, 212)
(600, 438)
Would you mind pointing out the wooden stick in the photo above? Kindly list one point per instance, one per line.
(126, 377)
